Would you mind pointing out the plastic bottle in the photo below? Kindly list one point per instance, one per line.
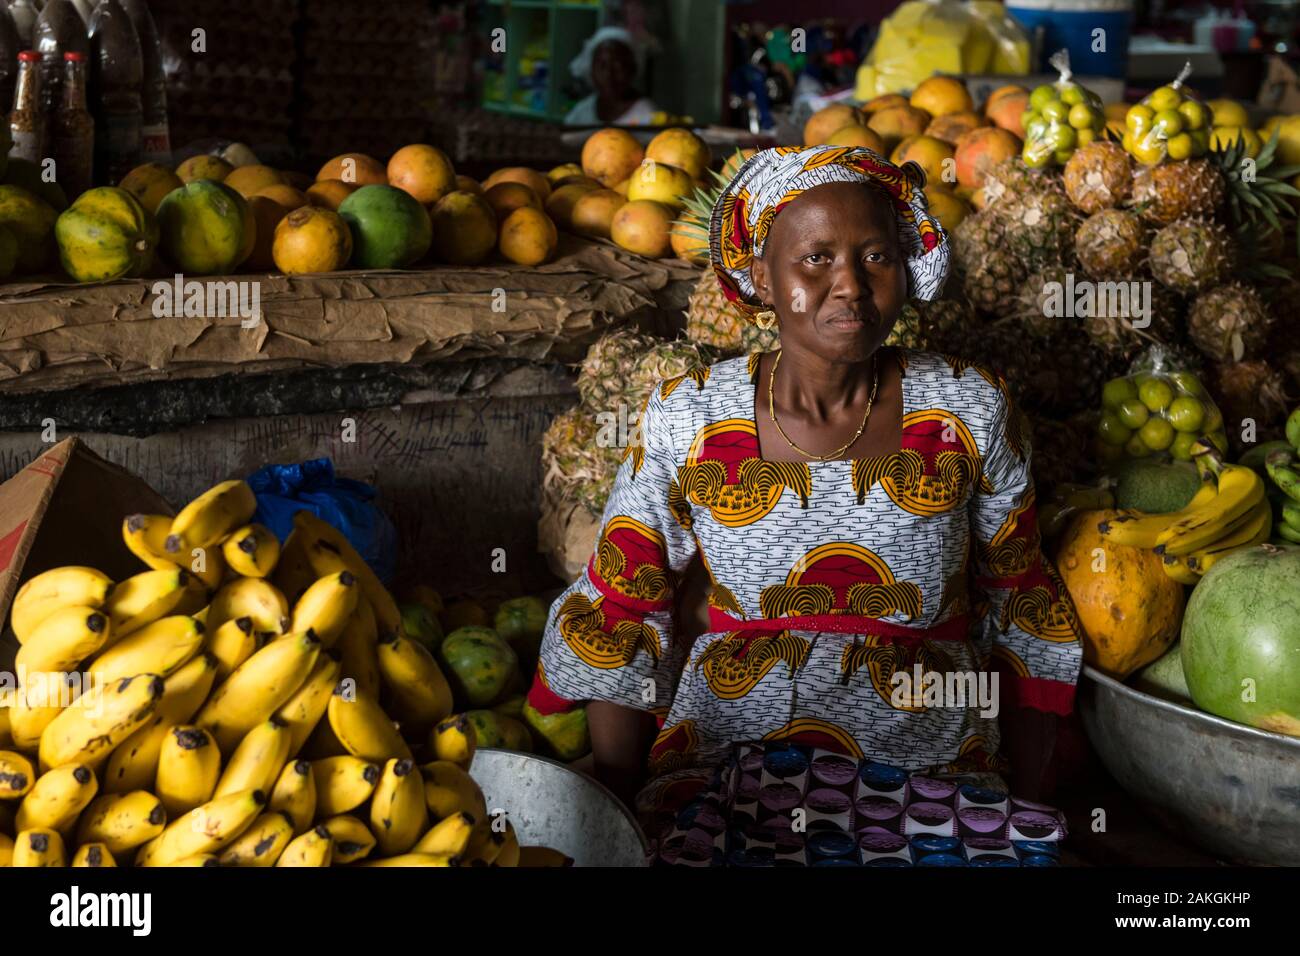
(74, 131)
(24, 14)
(116, 78)
(155, 134)
(27, 121)
(11, 44)
(84, 9)
(58, 30)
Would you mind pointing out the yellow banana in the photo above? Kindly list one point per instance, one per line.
(58, 798)
(455, 740)
(322, 743)
(449, 790)
(1136, 529)
(6, 850)
(1179, 570)
(206, 829)
(207, 566)
(364, 729)
(144, 598)
(352, 839)
(65, 639)
(17, 775)
(1240, 489)
(258, 760)
(100, 719)
(293, 573)
(145, 536)
(231, 644)
(328, 552)
(161, 648)
(44, 594)
(398, 815)
(342, 784)
(304, 710)
(420, 693)
(262, 843)
(252, 551)
(42, 697)
(294, 794)
(198, 859)
(449, 836)
(356, 645)
(211, 516)
(414, 859)
(484, 846)
(1254, 530)
(133, 764)
(122, 821)
(326, 606)
(189, 765)
(509, 855)
(93, 854)
(313, 848)
(258, 688)
(38, 847)
(542, 856)
(253, 598)
(6, 731)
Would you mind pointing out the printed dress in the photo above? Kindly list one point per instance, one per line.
(840, 592)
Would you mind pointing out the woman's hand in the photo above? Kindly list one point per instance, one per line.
(1028, 739)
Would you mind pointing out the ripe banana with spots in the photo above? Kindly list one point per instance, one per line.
(122, 821)
(253, 598)
(161, 648)
(294, 794)
(17, 775)
(258, 688)
(329, 552)
(1240, 490)
(1135, 529)
(57, 798)
(189, 765)
(144, 598)
(419, 691)
(357, 648)
(93, 855)
(454, 739)
(398, 815)
(208, 829)
(485, 845)
(352, 839)
(304, 710)
(99, 720)
(231, 644)
(211, 516)
(44, 594)
(38, 847)
(449, 836)
(145, 536)
(43, 696)
(258, 760)
(535, 857)
(326, 606)
(313, 848)
(293, 573)
(342, 784)
(449, 790)
(509, 855)
(251, 551)
(1254, 528)
(413, 859)
(64, 639)
(364, 729)
(262, 843)
(1178, 569)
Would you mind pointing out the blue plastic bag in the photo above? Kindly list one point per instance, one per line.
(283, 490)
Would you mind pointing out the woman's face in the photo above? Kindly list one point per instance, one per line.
(613, 68)
(834, 272)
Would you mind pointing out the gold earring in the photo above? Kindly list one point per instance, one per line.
(765, 320)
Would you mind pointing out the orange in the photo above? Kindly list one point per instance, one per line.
(286, 196)
(593, 213)
(247, 180)
(464, 228)
(505, 198)
(940, 95)
(682, 149)
(610, 155)
(311, 239)
(531, 178)
(932, 155)
(856, 135)
(561, 202)
(827, 121)
(423, 171)
(644, 227)
(893, 124)
(528, 237)
(357, 169)
(328, 193)
(267, 213)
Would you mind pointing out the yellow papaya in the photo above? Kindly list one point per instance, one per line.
(207, 228)
(106, 234)
(150, 183)
(31, 220)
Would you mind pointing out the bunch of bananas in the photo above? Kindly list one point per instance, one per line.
(231, 706)
(1228, 512)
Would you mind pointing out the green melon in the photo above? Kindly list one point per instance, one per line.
(31, 220)
(1163, 677)
(1155, 488)
(390, 229)
(480, 665)
(1241, 639)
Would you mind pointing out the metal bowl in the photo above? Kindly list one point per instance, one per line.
(1231, 788)
(551, 805)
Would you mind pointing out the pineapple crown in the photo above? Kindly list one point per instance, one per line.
(1257, 202)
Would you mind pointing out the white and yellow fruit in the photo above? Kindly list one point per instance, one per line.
(252, 551)
(208, 829)
(342, 784)
(99, 720)
(189, 765)
(58, 798)
(211, 516)
(61, 587)
(398, 815)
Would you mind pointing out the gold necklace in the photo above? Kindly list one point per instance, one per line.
(771, 410)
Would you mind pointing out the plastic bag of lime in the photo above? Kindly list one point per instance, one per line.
(1158, 410)
(1168, 124)
(1061, 117)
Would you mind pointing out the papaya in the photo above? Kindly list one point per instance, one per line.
(204, 166)
(25, 173)
(421, 625)
(520, 622)
(390, 229)
(31, 220)
(311, 239)
(8, 252)
(246, 180)
(106, 234)
(149, 183)
(480, 664)
(462, 613)
(1129, 609)
(207, 228)
(493, 729)
(563, 735)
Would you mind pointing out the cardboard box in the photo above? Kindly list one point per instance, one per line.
(66, 507)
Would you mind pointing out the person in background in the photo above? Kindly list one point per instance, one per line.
(611, 62)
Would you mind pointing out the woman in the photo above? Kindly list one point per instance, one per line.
(611, 63)
(866, 517)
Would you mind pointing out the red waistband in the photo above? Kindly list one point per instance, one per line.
(956, 628)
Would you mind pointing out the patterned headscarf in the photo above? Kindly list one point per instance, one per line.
(771, 178)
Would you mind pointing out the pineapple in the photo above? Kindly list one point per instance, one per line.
(1229, 323)
(604, 378)
(987, 275)
(1033, 304)
(975, 240)
(906, 333)
(710, 318)
(1098, 176)
(944, 322)
(753, 339)
(575, 464)
(1039, 227)
(664, 360)
(1011, 179)
(1111, 244)
(1115, 334)
(993, 287)
(690, 233)
(1251, 390)
(1191, 255)
(1057, 445)
(1187, 188)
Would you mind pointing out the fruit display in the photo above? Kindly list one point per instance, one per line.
(1059, 118)
(1168, 125)
(247, 703)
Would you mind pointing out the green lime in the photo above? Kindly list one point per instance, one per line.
(1027, 117)
(1157, 434)
(1133, 413)
(1036, 128)
(1181, 449)
(1186, 414)
(1035, 157)
(1043, 95)
(1117, 391)
(1194, 114)
(1080, 116)
(1071, 94)
(1168, 123)
(1086, 136)
(1062, 156)
(1138, 118)
(1156, 394)
(1187, 382)
(1062, 137)
(1055, 111)
(1135, 447)
(1165, 98)
(1111, 430)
